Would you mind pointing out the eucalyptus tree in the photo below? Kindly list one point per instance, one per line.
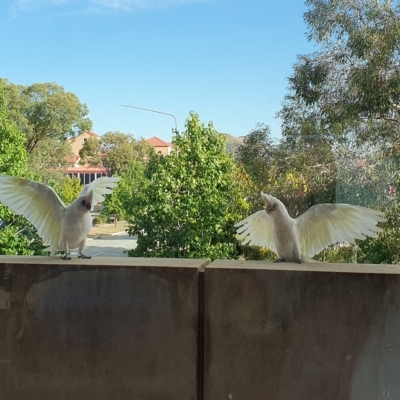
(45, 111)
(349, 89)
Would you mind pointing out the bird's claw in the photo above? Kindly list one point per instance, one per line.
(299, 261)
(84, 257)
(65, 257)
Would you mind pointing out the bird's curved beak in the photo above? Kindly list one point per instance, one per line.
(88, 205)
(269, 202)
(267, 199)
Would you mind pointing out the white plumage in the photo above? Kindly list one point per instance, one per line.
(60, 227)
(299, 239)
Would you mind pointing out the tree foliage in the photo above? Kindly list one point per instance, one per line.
(190, 201)
(45, 111)
(257, 153)
(130, 186)
(300, 175)
(386, 248)
(13, 156)
(19, 236)
(49, 159)
(350, 88)
(115, 151)
(68, 188)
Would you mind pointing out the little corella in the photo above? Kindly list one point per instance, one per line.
(61, 227)
(297, 240)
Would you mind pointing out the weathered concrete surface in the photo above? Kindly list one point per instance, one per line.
(287, 331)
(98, 329)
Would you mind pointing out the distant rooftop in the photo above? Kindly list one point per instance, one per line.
(157, 142)
(92, 134)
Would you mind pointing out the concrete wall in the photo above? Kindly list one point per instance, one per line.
(286, 331)
(103, 329)
(163, 329)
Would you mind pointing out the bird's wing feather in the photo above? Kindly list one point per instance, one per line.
(326, 224)
(38, 203)
(100, 187)
(257, 230)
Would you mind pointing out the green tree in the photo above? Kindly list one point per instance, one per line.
(350, 88)
(19, 236)
(68, 189)
(115, 151)
(300, 174)
(49, 160)
(257, 153)
(90, 153)
(44, 110)
(13, 156)
(191, 200)
(386, 248)
(131, 185)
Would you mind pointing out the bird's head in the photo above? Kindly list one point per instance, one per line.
(86, 204)
(272, 203)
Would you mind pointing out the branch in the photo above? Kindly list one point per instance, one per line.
(16, 233)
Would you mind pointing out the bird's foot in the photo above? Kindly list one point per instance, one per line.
(65, 257)
(81, 255)
(299, 261)
(280, 260)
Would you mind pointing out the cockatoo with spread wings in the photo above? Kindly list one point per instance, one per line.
(297, 240)
(60, 227)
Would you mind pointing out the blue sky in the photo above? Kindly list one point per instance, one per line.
(227, 60)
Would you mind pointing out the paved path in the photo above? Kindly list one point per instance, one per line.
(109, 246)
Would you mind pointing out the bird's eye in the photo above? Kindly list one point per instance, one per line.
(272, 207)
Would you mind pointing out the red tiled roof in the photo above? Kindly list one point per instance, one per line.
(157, 142)
(83, 170)
(92, 134)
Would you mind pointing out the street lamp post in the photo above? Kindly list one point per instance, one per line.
(155, 111)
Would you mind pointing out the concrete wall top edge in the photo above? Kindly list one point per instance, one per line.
(307, 267)
(202, 264)
(117, 262)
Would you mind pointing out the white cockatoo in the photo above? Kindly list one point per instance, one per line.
(60, 227)
(297, 240)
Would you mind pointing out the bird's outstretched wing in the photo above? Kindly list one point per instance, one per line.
(257, 230)
(326, 224)
(38, 203)
(99, 187)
